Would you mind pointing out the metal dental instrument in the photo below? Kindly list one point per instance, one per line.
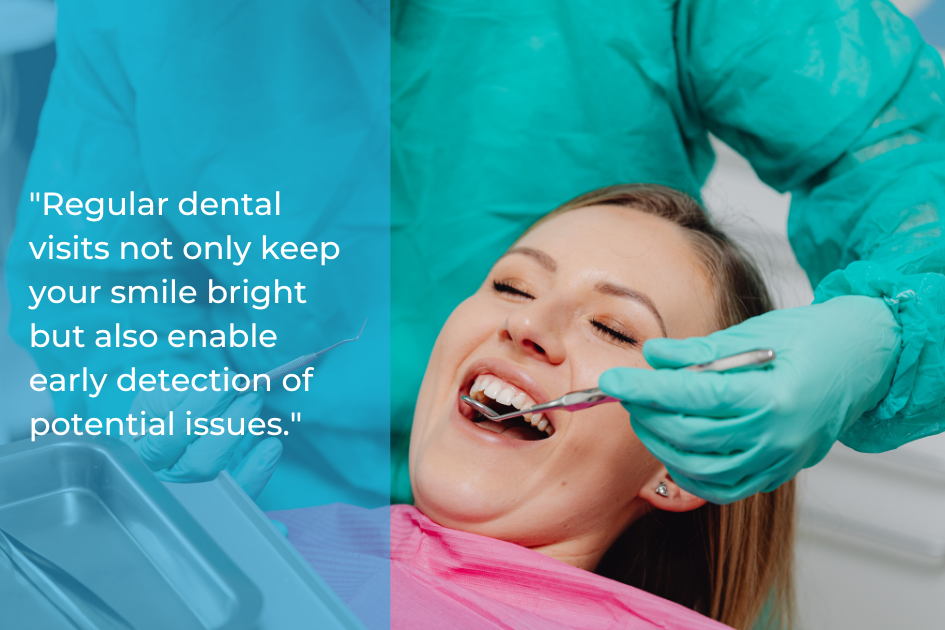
(575, 401)
(82, 607)
(305, 359)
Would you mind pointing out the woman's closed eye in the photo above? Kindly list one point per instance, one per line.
(609, 331)
(612, 333)
(509, 288)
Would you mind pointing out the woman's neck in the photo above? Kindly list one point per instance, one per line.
(582, 551)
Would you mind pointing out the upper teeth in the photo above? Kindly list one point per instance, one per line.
(488, 386)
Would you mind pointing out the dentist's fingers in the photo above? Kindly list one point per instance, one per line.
(157, 403)
(280, 526)
(247, 444)
(720, 479)
(706, 394)
(206, 456)
(163, 451)
(722, 494)
(254, 471)
(664, 352)
(694, 434)
(724, 469)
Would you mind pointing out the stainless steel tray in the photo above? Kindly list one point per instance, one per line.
(295, 597)
(91, 512)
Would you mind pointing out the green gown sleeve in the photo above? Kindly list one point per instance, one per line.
(840, 102)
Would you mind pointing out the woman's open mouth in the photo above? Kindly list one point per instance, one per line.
(504, 398)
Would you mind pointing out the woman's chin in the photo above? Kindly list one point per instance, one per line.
(460, 501)
(467, 472)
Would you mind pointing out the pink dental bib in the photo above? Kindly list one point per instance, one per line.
(444, 578)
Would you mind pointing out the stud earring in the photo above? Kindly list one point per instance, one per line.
(662, 490)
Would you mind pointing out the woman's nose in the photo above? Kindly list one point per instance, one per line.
(532, 331)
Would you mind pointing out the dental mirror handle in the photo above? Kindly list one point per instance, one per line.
(740, 361)
(591, 397)
(583, 399)
(574, 401)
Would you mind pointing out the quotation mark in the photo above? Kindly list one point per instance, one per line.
(36, 196)
(296, 417)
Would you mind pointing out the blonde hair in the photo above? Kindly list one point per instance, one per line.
(733, 563)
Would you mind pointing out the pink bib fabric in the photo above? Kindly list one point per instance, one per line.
(444, 578)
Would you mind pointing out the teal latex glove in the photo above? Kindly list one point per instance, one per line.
(726, 436)
(280, 526)
(187, 458)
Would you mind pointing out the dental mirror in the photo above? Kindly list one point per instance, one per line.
(481, 408)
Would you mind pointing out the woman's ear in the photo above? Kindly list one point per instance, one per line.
(662, 493)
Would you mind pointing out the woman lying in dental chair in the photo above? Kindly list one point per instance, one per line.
(565, 520)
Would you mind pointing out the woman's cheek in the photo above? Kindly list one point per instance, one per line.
(471, 325)
(608, 435)
(473, 321)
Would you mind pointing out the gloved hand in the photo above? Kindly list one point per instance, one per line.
(188, 458)
(726, 436)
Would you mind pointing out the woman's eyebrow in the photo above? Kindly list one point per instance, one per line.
(609, 288)
(543, 259)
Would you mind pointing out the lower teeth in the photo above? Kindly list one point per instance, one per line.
(521, 421)
(511, 423)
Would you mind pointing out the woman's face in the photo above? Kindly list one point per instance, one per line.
(578, 295)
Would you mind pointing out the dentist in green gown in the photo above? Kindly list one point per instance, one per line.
(504, 110)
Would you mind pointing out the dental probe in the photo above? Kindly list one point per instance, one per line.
(305, 359)
(582, 399)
